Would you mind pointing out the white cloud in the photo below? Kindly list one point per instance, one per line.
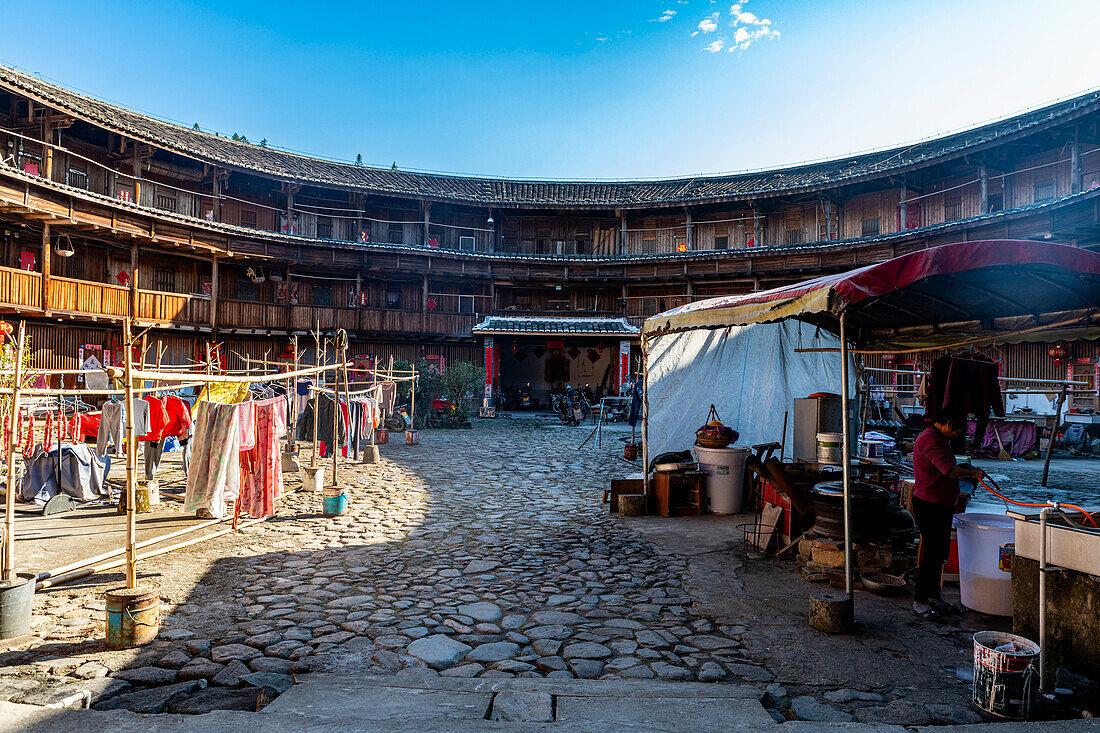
(740, 36)
(666, 16)
(714, 46)
(709, 24)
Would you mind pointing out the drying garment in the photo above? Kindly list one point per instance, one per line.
(82, 474)
(346, 414)
(152, 452)
(964, 384)
(110, 429)
(179, 417)
(83, 426)
(214, 476)
(141, 417)
(246, 415)
(262, 483)
(324, 421)
(226, 393)
(158, 418)
(387, 396)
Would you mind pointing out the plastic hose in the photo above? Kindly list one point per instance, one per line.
(1038, 505)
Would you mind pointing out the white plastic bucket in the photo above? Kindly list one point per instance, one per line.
(830, 448)
(984, 586)
(725, 484)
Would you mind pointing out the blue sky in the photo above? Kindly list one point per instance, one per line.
(566, 89)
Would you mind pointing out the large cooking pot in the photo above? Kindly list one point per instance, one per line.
(870, 507)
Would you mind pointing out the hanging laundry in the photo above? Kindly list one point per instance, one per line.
(388, 396)
(246, 416)
(140, 410)
(262, 484)
(81, 472)
(214, 475)
(226, 393)
(158, 418)
(110, 431)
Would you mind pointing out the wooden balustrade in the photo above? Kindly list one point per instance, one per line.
(80, 296)
(251, 314)
(20, 287)
(154, 305)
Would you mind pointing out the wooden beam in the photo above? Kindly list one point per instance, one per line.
(46, 265)
(214, 293)
(133, 280)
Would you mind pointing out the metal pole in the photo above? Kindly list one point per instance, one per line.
(1044, 514)
(846, 456)
(131, 462)
(1053, 432)
(9, 498)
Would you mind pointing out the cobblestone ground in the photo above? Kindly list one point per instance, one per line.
(479, 553)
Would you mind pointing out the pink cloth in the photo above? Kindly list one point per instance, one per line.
(247, 417)
(262, 482)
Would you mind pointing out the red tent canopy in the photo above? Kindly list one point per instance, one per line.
(1000, 285)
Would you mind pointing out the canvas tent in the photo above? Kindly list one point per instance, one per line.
(942, 297)
(747, 372)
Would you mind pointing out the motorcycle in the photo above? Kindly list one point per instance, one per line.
(398, 420)
(441, 413)
(573, 407)
(525, 401)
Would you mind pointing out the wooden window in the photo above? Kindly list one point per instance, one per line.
(996, 202)
(164, 280)
(1044, 191)
(466, 304)
(324, 228)
(523, 302)
(540, 246)
(722, 242)
(649, 306)
(248, 218)
(77, 178)
(246, 289)
(557, 304)
(396, 234)
(649, 245)
(583, 247)
(30, 163)
(166, 203)
(869, 227)
(793, 236)
(393, 297)
(322, 295)
(467, 242)
(952, 208)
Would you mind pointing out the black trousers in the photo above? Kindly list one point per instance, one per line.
(934, 522)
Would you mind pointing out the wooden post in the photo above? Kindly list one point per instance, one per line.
(358, 291)
(214, 294)
(215, 196)
(427, 221)
(47, 139)
(131, 462)
(137, 175)
(292, 407)
(756, 228)
(46, 268)
(133, 280)
(622, 232)
(1075, 163)
(828, 219)
(9, 498)
(1053, 430)
(412, 401)
(335, 416)
(983, 189)
(689, 239)
(903, 211)
(316, 395)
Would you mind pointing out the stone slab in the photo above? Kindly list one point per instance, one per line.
(641, 713)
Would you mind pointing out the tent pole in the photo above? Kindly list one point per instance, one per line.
(846, 456)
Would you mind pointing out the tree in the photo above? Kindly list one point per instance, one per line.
(460, 383)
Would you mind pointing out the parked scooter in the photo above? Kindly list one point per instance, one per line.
(441, 413)
(525, 400)
(573, 407)
(399, 421)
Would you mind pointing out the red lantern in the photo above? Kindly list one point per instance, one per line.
(5, 328)
(1057, 354)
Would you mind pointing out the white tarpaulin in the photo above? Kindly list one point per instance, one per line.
(751, 374)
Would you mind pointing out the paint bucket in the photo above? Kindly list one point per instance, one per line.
(133, 616)
(16, 604)
(830, 448)
(334, 502)
(381, 436)
(984, 584)
(412, 437)
(725, 482)
(315, 478)
(1006, 677)
(872, 450)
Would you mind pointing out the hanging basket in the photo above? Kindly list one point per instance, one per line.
(714, 434)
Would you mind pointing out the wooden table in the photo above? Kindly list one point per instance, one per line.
(679, 493)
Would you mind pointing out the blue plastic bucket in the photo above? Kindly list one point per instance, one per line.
(334, 501)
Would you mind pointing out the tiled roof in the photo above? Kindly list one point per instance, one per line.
(292, 167)
(579, 326)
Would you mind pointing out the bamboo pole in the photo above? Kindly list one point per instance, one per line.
(335, 417)
(292, 403)
(347, 395)
(9, 498)
(131, 463)
(316, 398)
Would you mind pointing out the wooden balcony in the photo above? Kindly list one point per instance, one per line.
(21, 291)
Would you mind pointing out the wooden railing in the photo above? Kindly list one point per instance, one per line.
(250, 314)
(20, 287)
(80, 296)
(154, 305)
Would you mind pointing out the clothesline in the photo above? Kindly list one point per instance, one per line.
(325, 390)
